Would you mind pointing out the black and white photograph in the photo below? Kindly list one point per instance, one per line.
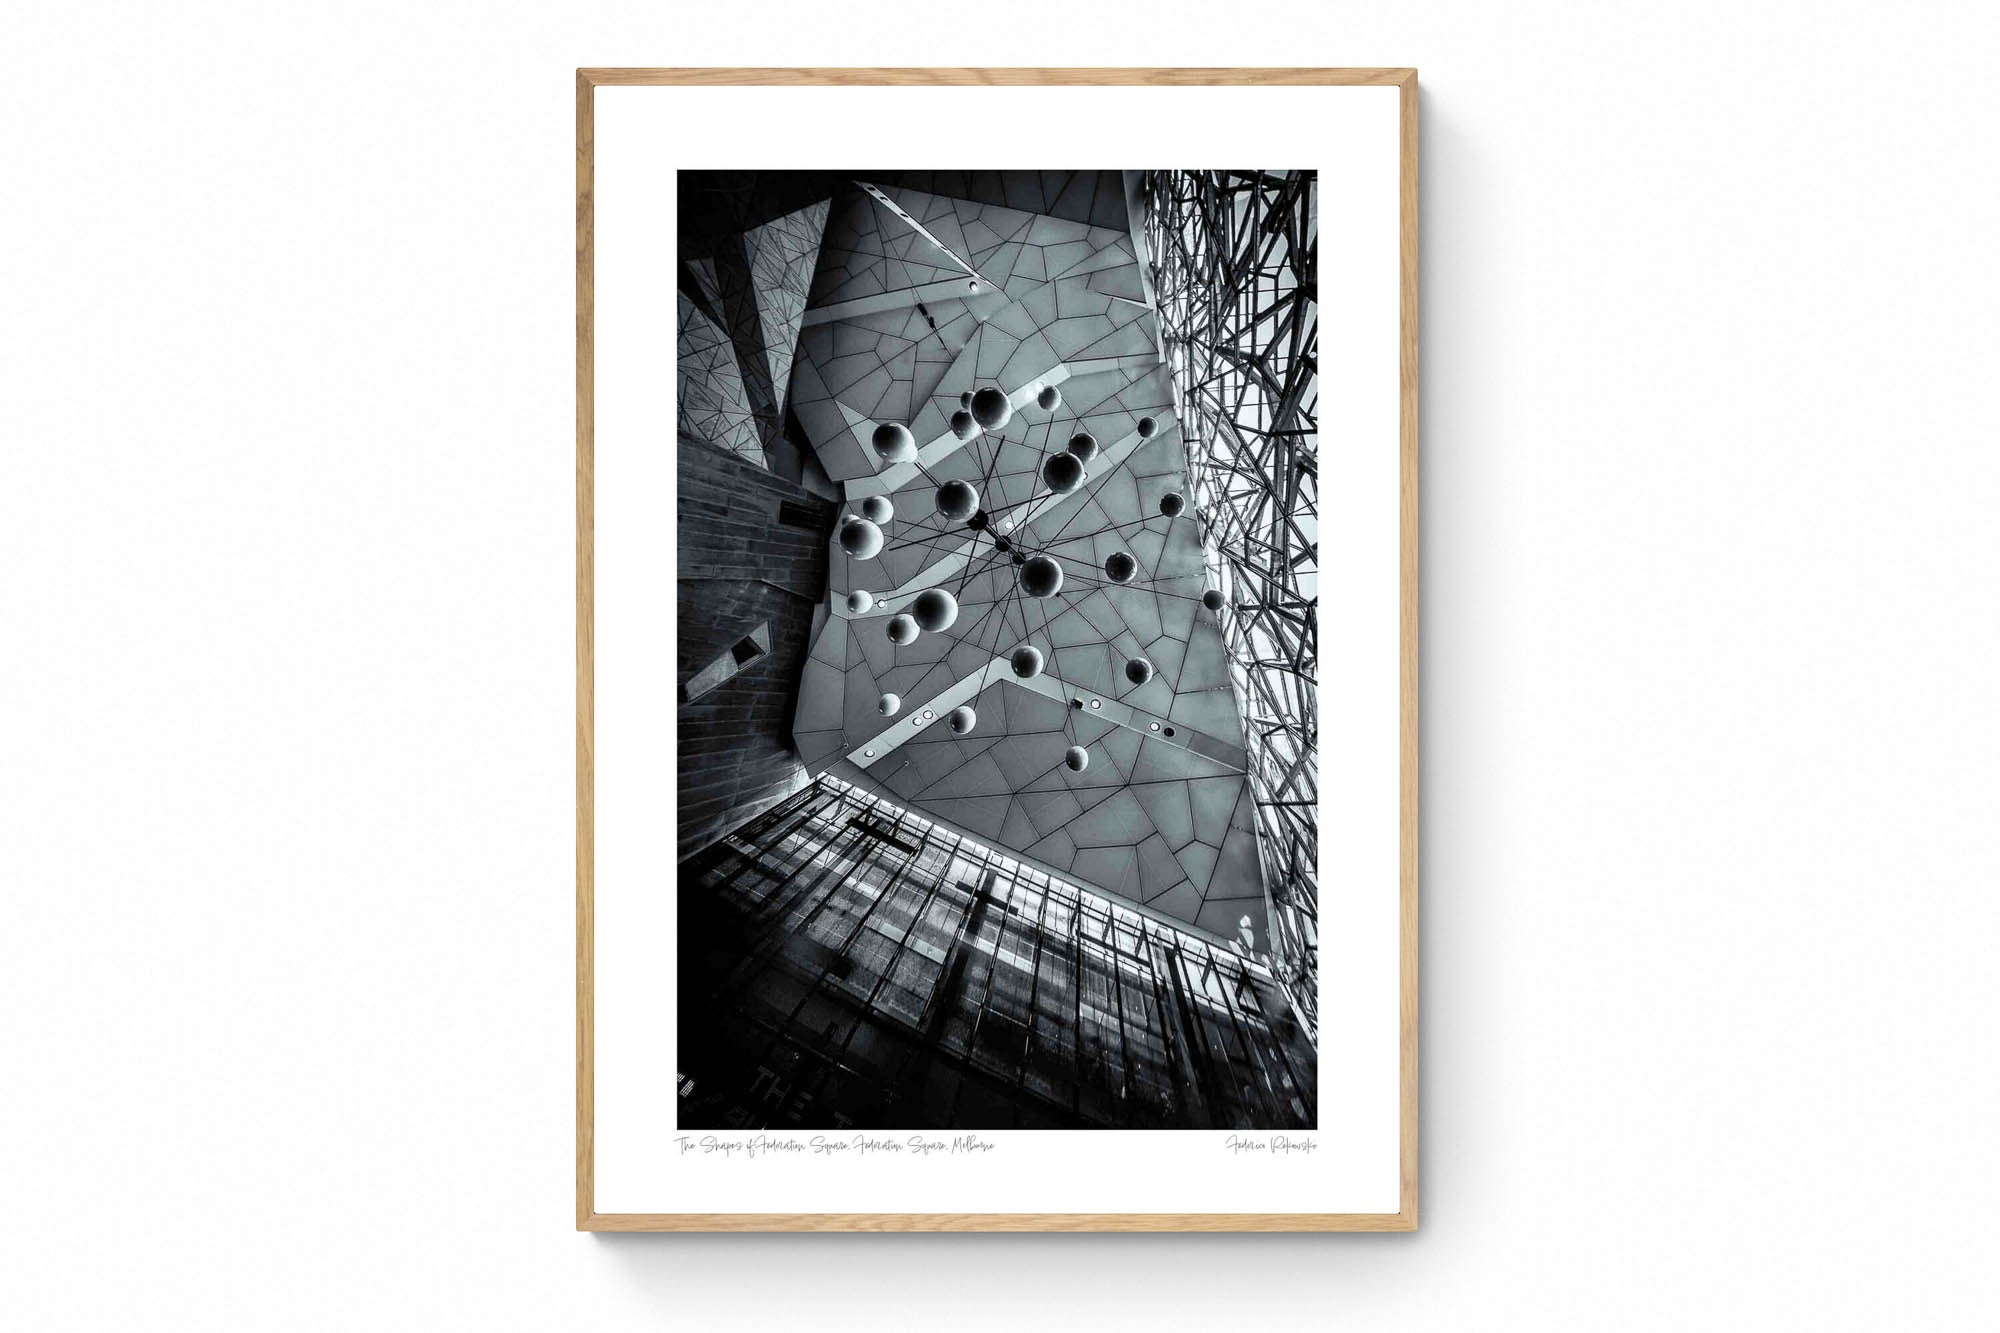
(998, 553)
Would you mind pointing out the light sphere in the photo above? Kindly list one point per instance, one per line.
(1049, 399)
(1076, 759)
(902, 629)
(1119, 567)
(860, 538)
(860, 601)
(893, 442)
(890, 704)
(1027, 661)
(1084, 445)
(962, 719)
(1212, 599)
(991, 409)
(962, 424)
(1138, 671)
(1040, 577)
(877, 509)
(1062, 473)
(1171, 504)
(935, 609)
(1146, 427)
(956, 500)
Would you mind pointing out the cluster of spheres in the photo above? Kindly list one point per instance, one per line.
(1038, 576)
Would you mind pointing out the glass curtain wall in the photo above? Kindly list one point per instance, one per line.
(1234, 267)
(859, 966)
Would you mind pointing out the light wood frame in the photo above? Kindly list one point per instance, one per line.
(587, 1218)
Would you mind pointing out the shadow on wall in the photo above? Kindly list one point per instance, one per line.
(753, 564)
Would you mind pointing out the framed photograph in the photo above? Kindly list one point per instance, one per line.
(1015, 473)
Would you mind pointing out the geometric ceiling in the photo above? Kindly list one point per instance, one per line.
(740, 312)
(918, 300)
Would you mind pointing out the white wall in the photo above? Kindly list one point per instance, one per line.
(1710, 480)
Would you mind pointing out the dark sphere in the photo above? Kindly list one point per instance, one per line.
(877, 509)
(962, 424)
(894, 443)
(1062, 473)
(1041, 577)
(860, 601)
(1049, 399)
(1212, 599)
(991, 409)
(935, 609)
(1138, 671)
(902, 629)
(965, 399)
(962, 719)
(860, 538)
(1027, 661)
(1146, 427)
(1084, 445)
(1119, 567)
(956, 500)
(1171, 504)
(1076, 758)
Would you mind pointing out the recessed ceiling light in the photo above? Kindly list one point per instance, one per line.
(869, 753)
(929, 714)
(1154, 725)
(1097, 703)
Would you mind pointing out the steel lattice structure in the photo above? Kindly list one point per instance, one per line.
(1233, 265)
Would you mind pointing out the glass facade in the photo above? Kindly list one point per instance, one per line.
(1234, 265)
(845, 962)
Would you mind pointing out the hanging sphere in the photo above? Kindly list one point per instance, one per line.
(1076, 759)
(1084, 445)
(965, 399)
(962, 424)
(902, 629)
(1119, 567)
(962, 719)
(1041, 576)
(1171, 504)
(935, 609)
(1049, 399)
(991, 409)
(1062, 473)
(1212, 599)
(860, 601)
(877, 509)
(889, 704)
(956, 500)
(1138, 671)
(1027, 661)
(893, 442)
(860, 538)
(1146, 427)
